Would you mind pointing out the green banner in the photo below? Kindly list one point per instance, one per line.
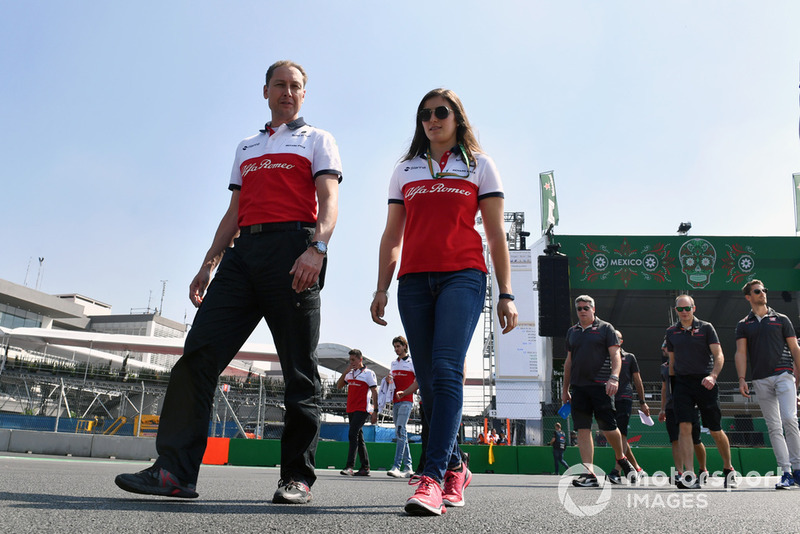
(796, 182)
(681, 262)
(549, 202)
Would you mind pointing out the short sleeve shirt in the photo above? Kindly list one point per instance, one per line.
(766, 343)
(692, 347)
(359, 382)
(403, 375)
(439, 233)
(629, 366)
(275, 171)
(591, 363)
(665, 379)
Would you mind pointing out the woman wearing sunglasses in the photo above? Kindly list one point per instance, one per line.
(435, 193)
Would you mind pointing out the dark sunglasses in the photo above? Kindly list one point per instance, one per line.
(583, 308)
(441, 112)
(683, 308)
(759, 291)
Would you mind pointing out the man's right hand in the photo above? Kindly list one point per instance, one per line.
(197, 289)
(662, 416)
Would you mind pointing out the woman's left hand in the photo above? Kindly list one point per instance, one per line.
(507, 313)
(378, 307)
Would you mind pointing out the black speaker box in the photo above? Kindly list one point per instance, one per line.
(554, 299)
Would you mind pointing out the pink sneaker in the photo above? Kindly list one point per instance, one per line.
(427, 499)
(455, 482)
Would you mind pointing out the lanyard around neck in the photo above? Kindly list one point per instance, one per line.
(437, 175)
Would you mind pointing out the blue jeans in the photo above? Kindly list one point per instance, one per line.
(439, 313)
(401, 411)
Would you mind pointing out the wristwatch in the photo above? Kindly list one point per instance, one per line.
(319, 246)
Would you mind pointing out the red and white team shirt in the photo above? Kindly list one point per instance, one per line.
(440, 232)
(276, 169)
(359, 382)
(403, 375)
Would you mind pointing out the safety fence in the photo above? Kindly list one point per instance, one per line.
(39, 393)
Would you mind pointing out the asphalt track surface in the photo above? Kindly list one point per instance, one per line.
(50, 494)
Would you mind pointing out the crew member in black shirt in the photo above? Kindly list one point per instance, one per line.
(769, 339)
(592, 370)
(695, 360)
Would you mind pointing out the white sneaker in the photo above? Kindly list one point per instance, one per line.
(395, 472)
(408, 473)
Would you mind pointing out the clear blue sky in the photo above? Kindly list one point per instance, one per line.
(120, 120)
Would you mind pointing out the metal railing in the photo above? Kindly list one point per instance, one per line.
(48, 393)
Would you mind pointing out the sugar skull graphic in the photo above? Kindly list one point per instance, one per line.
(697, 257)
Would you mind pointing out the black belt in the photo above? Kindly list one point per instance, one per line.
(275, 227)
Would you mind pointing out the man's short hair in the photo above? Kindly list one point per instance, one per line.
(355, 352)
(754, 282)
(585, 298)
(402, 341)
(286, 63)
(684, 296)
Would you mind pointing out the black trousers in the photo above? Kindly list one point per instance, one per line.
(252, 282)
(356, 437)
(558, 459)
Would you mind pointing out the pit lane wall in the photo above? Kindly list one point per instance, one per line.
(332, 454)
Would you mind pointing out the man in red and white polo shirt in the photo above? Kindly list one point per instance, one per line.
(405, 385)
(269, 252)
(361, 384)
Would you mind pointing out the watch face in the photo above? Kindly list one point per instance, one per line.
(321, 247)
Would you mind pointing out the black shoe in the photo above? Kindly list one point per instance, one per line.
(730, 478)
(613, 477)
(586, 480)
(688, 481)
(361, 473)
(156, 481)
(627, 470)
(291, 492)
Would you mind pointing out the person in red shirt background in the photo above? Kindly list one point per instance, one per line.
(361, 383)
(405, 385)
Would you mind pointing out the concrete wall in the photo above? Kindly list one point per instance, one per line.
(332, 454)
(69, 444)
